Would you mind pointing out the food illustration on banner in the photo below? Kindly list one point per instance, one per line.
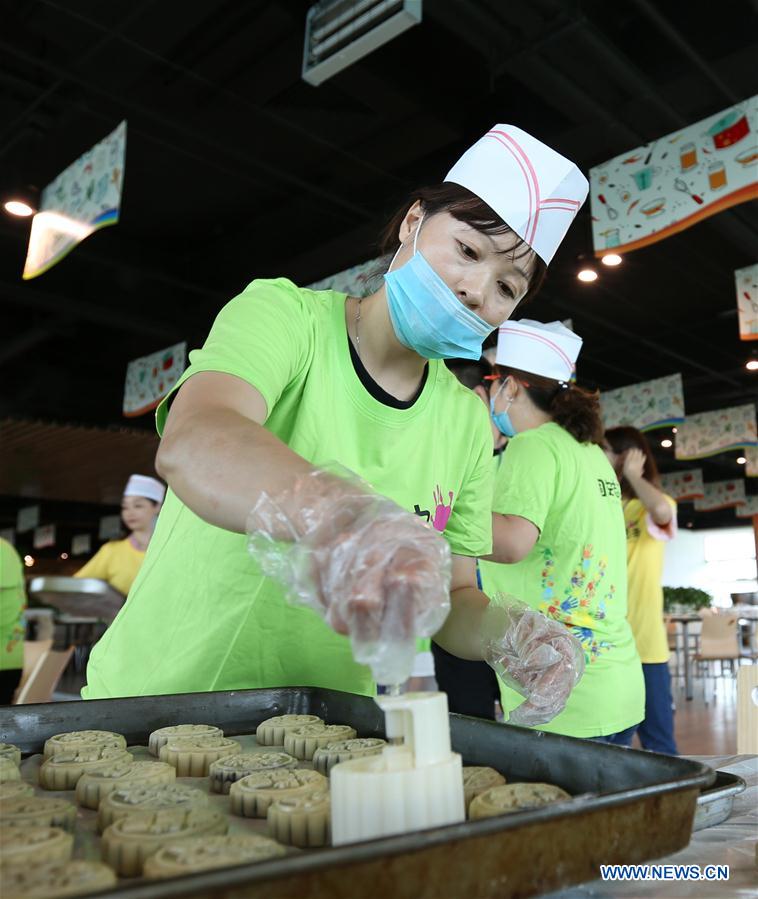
(677, 180)
(746, 284)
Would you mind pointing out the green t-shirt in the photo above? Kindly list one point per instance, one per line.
(200, 616)
(576, 572)
(12, 605)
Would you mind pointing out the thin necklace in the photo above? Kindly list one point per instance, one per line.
(357, 334)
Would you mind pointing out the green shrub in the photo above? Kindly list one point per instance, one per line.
(691, 597)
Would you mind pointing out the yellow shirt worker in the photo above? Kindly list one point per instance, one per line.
(650, 518)
(645, 546)
(119, 561)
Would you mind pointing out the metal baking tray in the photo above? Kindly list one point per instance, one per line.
(86, 596)
(714, 804)
(629, 806)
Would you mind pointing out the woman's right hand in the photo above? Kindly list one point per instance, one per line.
(634, 465)
(374, 571)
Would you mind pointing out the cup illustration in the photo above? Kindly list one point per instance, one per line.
(643, 178)
(688, 157)
(717, 175)
(612, 238)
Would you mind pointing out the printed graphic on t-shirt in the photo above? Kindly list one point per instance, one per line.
(633, 529)
(576, 609)
(442, 510)
(610, 488)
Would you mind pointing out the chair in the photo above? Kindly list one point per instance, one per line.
(45, 676)
(719, 642)
(33, 652)
(672, 632)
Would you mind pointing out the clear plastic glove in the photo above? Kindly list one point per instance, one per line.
(371, 569)
(534, 655)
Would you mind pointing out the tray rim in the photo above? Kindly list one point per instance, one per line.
(698, 776)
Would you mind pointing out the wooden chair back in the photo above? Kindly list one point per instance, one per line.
(45, 677)
(719, 637)
(33, 652)
(747, 709)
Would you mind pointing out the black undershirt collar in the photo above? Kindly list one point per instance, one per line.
(375, 390)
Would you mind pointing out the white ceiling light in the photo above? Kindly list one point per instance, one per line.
(611, 259)
(587, 274)
(18, 207)
(752, 365)
(667, 443)
(340, 32)
(741, 460)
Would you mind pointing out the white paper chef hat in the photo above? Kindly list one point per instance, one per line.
(535, 191)
(548, 349)
(141, 485)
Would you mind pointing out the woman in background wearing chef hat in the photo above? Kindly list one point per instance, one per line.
(292, 380)
(559, 541)
(118, 561)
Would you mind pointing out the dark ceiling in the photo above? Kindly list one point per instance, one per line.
(238, 169)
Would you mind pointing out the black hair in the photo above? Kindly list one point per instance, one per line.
(625, 438)
(470, 372)
(470, 209)
(575, 409)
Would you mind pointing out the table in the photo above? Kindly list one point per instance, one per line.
(686, 621)
(731, 843)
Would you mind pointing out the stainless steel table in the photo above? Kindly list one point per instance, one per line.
(731, 843)
(80, 597)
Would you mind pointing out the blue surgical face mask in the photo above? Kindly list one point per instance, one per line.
(502, 420)
(427, 316)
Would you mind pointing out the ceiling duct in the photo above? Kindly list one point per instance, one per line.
(340, 32)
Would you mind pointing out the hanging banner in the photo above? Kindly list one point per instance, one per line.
(645, 406)
(81, 544)
(150, 379)
(85, 196)
(110, 527)
(27, 519)
(654, 191)
(721, 495)
(683, 486)
(749, 509)
(751, 464)
(746, 283)
(355, 282)
(44, 536)
(709, 433)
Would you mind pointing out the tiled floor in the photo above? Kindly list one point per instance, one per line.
(707, 729)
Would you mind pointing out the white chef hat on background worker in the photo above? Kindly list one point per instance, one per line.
(550, 350)
(142, 485)
(535, 191)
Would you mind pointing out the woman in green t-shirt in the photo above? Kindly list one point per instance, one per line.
(12, 605)
(291, 380)
(559, 541)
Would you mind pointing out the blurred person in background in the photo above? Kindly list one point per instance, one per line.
(12, 605)
(650, 517)
(119, 561)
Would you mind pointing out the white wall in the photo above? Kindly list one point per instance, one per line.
(721, 561)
